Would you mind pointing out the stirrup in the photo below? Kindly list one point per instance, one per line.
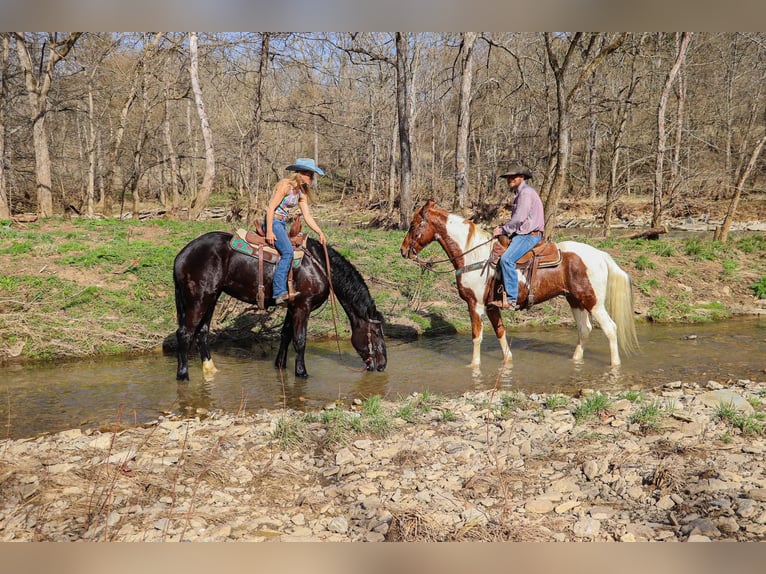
(504, 303)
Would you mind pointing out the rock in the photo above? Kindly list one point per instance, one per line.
(725, 397)
(586, 528)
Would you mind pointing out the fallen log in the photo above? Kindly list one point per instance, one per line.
(651, 233)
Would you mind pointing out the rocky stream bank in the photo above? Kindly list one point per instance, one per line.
(682, 463)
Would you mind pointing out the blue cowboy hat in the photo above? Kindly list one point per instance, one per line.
(305, 164)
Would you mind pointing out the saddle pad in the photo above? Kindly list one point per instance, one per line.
(547, 252)
(270, 254)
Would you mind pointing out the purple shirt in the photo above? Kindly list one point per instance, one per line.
(527, 212)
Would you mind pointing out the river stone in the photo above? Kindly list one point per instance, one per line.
(725, 397)
(758, 494)
(338, 524)
(539, 506)
(586, 528)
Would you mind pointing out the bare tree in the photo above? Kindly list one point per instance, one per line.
(657, 205)
(593, 56)
(404, 113)
(623, 107)
(200, 201)
(5, 206)
(38, 80)
(463, 118)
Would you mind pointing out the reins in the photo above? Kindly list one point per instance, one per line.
(332, 297)
(428, 265)
(333, 305)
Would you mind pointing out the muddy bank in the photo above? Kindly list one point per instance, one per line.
(682, 463)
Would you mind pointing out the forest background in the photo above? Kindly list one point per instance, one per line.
(110, 124)
(119, 148)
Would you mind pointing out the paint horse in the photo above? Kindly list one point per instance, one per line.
(209, 266)
(592, 282)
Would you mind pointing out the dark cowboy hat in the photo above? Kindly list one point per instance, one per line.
(305, 164)
(517, 168)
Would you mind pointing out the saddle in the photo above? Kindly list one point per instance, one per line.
(253, 243)
(544, 254)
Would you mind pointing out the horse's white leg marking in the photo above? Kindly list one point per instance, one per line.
(609, 327)
(476, 358)
(582, 318)
(208, 370)
(477, 333)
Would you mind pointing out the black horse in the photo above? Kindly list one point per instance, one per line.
(208, 266)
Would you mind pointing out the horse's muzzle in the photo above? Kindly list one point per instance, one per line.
(409, 252)
(371, 365)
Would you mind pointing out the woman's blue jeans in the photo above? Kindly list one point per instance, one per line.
(286, 251)
(519, 245)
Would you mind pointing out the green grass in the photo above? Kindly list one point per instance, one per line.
(648, 416)
(633, 396)
(759, 288)
(131, 263)
(593, 405)
(748, 424)
(556, 401)
(643, 263)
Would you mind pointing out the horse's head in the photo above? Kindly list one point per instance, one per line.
(369, 342)
(421, 232)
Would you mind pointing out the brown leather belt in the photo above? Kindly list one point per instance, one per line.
(535, 233)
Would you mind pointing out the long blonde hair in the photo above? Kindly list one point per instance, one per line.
(297, 182)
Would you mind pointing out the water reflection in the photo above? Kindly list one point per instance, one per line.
(138, 389)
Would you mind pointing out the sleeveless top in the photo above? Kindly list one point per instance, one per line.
(289, 201)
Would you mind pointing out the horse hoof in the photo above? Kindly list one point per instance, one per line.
(208, 370)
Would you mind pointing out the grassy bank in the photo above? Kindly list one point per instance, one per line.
(80, 287)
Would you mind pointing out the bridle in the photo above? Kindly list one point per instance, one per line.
(428, 265)
(328, 274)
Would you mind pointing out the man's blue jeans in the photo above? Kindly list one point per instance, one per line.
(285, 248)
(519, 245)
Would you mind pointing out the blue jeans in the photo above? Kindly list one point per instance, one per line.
(286, 251)
(519, 245)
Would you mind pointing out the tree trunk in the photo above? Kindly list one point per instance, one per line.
(252, 158)
(5, 205)
(722, 233)
(564, 96)
(657, 205)
(623, 110)
(175, 199)
(392, 168)
(38, 84)
(91, 189)
(200, 201)
(403, 107)
(463, 120)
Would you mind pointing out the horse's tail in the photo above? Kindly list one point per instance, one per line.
(619, 305)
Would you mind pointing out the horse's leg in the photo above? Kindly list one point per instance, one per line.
(194, 321)
(496, 319)
(477, 333)
(609, 327)
(183, 335)
(582, 318)
(208, 368)
(286, 336)
(300, 323)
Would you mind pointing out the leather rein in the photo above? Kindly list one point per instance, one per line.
(428, 265)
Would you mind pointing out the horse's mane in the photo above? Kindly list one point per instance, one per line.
(347, 282)
(478, 230)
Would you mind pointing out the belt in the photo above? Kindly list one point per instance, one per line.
(280, 217)
(535, 233)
